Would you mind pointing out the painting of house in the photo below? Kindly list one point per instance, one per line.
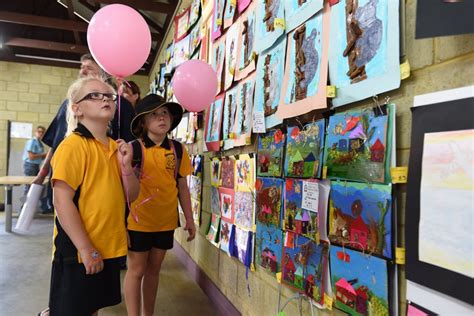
(362, 300)
(345, 293)
(268, 260)
(342, 145)
(297, 163)
(309, 164)
(299, 277)
(269, 200)
(377, 151)
(289, 269)
(359, 233)
(270, 153)
(356, 145)
(268, 241)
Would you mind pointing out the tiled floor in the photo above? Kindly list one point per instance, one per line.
(25, 272)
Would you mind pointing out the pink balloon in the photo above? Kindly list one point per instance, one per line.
(119, 39)
(195, 85)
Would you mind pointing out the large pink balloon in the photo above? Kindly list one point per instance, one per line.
(119, 39)
(194, 85)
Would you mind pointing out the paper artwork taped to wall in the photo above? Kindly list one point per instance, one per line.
(244, 209)
(243, 120)
(270, 154)
(195, 188)
(268, 82)
(197, 162)
(364, 53)
(215, 171)
(304, 150)
(214, 123)
(269, 202)
(230, 114)
(195, 13)
(231, 42)
(304, 267)
(359, 281)
(215, 201)
(243, 248)
(302, 207)
(195, 39)
(360, 217)
(213, 233)
(269, 241)
(305, 80)
(226, 232)
(358, 145)
(227, 172)
(181, 25)
(181, 51)
(246, 48)
(243, 4)
(245, 173)
(217, 19)
(270, 23)
(217, 57)
(298, 11)
(229, 12)
(226, 197)
(169, 58)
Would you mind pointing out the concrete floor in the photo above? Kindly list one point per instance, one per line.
(25, 267)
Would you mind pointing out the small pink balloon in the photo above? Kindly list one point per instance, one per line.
(119, 39)
(195, 85)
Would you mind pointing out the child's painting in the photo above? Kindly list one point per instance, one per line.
(215, 172)
(269, 243)
(195, 39)
(215, 201)
(169, 58)
(268, 82)
(270, 23)
(195, 188)
(357, 145)
(214, 124)
(217, 19)
(231, 40)
(364, 53)
(227, 172)
(244, 210)
(298, 11)
(245, 173)
(304, 267)
(195, 13)
(229, 12)
(213, 233)
(305, 80)
(226, 232)
(360, 217)
(269, 200)
(304, 150)
(181, 51)
(197, 162)
(243, 4)
(246, 48)
(217, 58)
(359, 281)
(243, 120)
(270, 154)
(192, 127)
(230, 113)
(302, 207)
(226, 197)
(243, 247)
(161, 84)
(181, 25)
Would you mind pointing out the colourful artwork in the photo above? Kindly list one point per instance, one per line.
(169, 58)
(243, 246)
(229, 12)
(364, 59)
(244, 210)
(197, 162)
(245, 173)
(269, 200)
(214, 123)
(243, 119)
(181, 51)
(360, 217)
(161, 83)
(270, 23)
(298, 11)
(230, 113)
(226, 197)
(217, 19)
(226, 232)
(304, 150)
(181, 25)
(305, 80)
(215, 201)
(302, 207)
(227, 172)
(215, 172)
(243, 4)
(270, 153)
(217, 57)
(246, 48)
(231, 40)
(359, 281)
(213, 233)
(195, 13)
(195, 188)
(195, 39)
(304, 267)
(358, 145)
(269, 78)
(269, 240)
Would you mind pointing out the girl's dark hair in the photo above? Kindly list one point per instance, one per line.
(134, 88)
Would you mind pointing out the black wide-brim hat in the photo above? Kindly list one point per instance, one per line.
(151, 103)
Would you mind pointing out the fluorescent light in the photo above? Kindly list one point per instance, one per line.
(77, 14)
(49, 58)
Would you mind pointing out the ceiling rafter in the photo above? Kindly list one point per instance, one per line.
(47, 45)
(146, 5)
(70, 10)
(42, 21)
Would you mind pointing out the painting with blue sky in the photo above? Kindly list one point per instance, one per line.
(246, 47)
(270, 153)
(297, 12)
(270, 23)
(269, 247)
(269, 200)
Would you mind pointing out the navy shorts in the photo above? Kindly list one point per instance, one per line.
(75, 293)
(144, 241)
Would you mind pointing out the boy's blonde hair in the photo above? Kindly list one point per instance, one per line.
(74, 94)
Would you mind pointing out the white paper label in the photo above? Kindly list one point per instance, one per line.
(310, 196)
(258, 122)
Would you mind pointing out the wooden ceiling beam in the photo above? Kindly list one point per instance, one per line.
(42, 21)
(47, 45)
(70, 11)
(146, 5)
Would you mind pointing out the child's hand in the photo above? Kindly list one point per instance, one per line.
(125, 153)
(92, 261)
(191, 228)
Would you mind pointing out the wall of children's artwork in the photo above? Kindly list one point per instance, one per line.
(297, 198)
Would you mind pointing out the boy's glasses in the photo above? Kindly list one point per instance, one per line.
(98, 96)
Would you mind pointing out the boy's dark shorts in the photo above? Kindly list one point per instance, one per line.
(74, 293)
(143, 241)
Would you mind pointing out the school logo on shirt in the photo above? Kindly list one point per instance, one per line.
(170, 161)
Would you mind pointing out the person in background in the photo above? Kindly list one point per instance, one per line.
(131, 92)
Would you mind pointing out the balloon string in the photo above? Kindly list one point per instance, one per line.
(119, 91)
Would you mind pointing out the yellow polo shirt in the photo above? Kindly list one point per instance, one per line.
(157, 204)
(91, 169)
